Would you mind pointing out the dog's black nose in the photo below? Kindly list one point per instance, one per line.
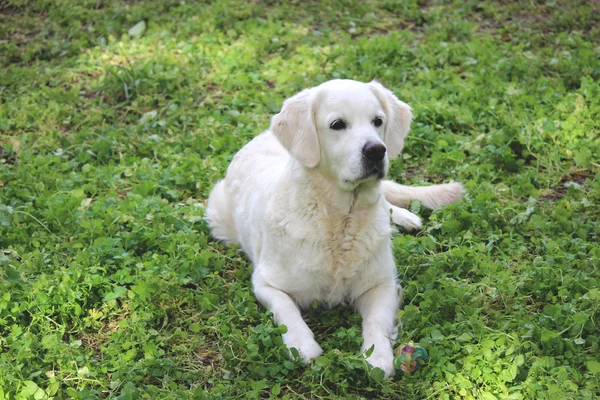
(374, 151)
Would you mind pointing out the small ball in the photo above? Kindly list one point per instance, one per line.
(410, 358)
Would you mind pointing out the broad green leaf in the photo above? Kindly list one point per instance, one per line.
(276, 389)
(436, 335)
(548, 335)
(488, 396)
(465, 337)
(322, 361)
(519, 360)
(138, 29)
(580, 318)
(593, 366)
(377, 374)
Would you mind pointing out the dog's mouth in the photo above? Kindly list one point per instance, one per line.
(376, 171)
(373, 169)
(372, 174)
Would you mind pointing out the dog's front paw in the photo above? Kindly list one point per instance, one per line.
(406, 219)
(307, 347)
(383, 359)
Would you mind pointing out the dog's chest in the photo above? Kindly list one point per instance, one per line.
(332, 247)
(329, 258)
(348, 243)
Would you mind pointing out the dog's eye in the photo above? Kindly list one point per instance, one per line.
(338, 125)
(377, 122)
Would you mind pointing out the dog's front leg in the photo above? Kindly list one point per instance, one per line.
(378, 307)
(286, 312)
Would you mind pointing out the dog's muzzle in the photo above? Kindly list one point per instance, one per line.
(373, 160)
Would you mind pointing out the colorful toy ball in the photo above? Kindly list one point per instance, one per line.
(409, 358)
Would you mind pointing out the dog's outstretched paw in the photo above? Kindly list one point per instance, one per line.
(406, 219)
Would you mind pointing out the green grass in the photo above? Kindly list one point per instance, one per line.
(110, 285)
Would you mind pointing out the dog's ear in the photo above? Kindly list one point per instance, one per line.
(399, 117)
(295, 128)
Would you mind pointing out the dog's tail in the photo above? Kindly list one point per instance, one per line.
(218, 215)
(432, 197)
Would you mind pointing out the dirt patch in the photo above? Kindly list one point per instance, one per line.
(9, 156)
(415, 174)
(578, 178)
(208, 358)
(93, 341)
(538, 17)
(7, 10)
(411, 172)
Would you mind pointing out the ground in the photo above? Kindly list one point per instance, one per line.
(113, 131)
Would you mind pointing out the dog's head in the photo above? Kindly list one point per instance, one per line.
(345, 129)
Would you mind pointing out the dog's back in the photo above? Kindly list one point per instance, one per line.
(264, 152)
(218, 214)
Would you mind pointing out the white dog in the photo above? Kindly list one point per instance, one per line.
(306, 202)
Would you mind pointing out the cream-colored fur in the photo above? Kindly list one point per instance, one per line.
(314, 218)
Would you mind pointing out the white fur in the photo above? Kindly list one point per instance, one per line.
(296, 200)
(432, 197)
